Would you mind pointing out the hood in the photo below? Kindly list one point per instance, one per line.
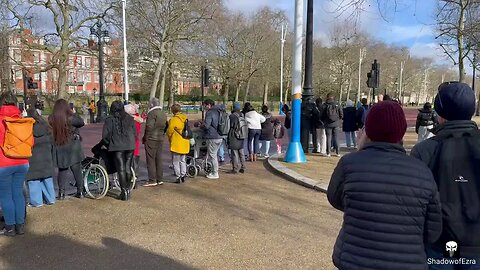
(349, 103)
(10, 111)
(40, 129)
(456, 125)
(424, 110)
(181, 116)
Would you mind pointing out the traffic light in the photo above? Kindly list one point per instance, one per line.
(31, 84)
(206, 77)
(373, 77)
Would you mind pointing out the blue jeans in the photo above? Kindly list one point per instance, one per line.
(350, 139)
(11, 193)
(253, 144)
(41, 189)
(434, 253)
(221, 151)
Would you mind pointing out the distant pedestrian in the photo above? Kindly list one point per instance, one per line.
(266, 135)
(67, 147)
(12, 169)
(254, 121)
(85, 113)
(236, 137)
(453, 156)
(153, 137)
(332, 115)
(321, 146)
(278, 133)
(211, 128)
(391, 209)
(350, 126)
(362, 113)
(92, 110)
(40, 174)
(426, 122)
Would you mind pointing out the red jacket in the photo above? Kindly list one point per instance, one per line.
(9, 111)
(138, 125)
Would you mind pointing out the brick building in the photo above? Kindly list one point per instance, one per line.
(82, 73)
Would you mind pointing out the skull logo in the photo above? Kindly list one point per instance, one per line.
(451, 247)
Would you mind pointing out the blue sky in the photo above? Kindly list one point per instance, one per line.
(411, 25)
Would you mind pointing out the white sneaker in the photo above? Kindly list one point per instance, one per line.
(337, 155)
(328, 155)
(267, 156)
(212, 176)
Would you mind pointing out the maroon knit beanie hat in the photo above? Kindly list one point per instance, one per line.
(386, 122)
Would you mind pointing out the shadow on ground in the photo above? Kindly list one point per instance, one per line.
(57, 252)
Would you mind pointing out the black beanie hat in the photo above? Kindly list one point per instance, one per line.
(455, 101)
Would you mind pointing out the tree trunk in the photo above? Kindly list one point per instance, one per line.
(226, 89)
(237, 91)
(156, 76)
(265, 92)
(287, 89)
(460, 42)
(348, 89)
(62, 82)
(171, 99)
(341, 94)
(247, 89)
(478, 105)
(161, 96)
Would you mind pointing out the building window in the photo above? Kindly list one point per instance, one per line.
(88, 62)
(88, 77)
(80, 77)
(18, 41)
(97, 78)
(71, 60)
(18, 74)
(78, 61)
(36, 76)
(43, 76)
(36, 57)
(17, 56)
(109, 78)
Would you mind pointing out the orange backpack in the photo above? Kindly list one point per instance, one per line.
(18, 141)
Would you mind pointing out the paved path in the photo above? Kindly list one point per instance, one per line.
(251, 221)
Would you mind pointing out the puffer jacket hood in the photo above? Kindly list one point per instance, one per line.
(10, 111)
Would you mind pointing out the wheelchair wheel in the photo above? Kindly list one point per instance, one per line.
(192, 171)
(96, 181)
(208, 167)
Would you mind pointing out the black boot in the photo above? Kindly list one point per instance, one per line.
(124, 194)
(61, 195)
(80, 194)
(20, 229)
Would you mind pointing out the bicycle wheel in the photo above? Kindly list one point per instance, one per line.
(96, 181)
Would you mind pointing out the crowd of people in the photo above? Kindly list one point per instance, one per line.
(417, 211)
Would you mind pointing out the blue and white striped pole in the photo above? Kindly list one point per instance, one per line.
(295, 152)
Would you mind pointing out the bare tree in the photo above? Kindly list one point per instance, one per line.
(61, 32)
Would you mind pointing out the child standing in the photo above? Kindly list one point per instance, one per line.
(278, 133)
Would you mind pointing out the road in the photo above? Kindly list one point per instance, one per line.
(251, 221)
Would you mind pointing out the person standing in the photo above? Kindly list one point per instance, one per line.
(119, 135)
(391, 210)
(453, 155)
(426, 121)
(12, 173)
(254, 123)
(332, 116)
(278, 133)
(266, 135)
(67, 148)
(211, 134)
(362, 113)
(350, 124)
(132, 110)
(85, 112)
(321, 146)
(153, 141)
(236, 137)
(39, 176)
(221, 150)
(92, 110)
(179, 146)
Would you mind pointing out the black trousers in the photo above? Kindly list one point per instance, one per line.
(332, 137)
(123, 163)
(305, 138)
(77, 174)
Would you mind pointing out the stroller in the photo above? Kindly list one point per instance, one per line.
(197, 158)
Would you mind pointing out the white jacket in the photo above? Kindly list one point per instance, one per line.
(254, 120)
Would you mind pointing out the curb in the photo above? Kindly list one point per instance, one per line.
(292, 176)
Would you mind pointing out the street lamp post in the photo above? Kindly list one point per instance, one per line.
(283, 39)
(360, 60)
(307, 85)
(101, 37)
(125, 53)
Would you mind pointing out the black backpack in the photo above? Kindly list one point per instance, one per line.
(332, 113)
(456, 168)
(187, 132)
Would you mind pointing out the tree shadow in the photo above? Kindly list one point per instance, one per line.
(57, 252)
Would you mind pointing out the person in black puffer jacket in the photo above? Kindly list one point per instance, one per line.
(266, 136)
(39, 176)
(426, 121)
(350, 124)
(119, 134)
(390, 200)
